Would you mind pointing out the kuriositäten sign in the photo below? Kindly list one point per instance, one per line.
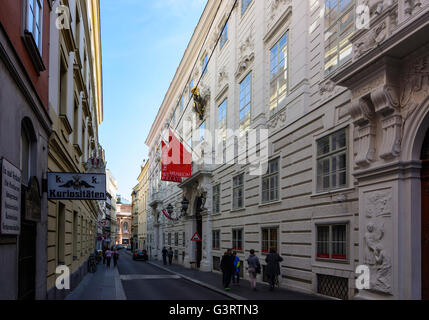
(76, 186)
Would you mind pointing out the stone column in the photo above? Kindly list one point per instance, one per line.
(206, 262)
(190, 247)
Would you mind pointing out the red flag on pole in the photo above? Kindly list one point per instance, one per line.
(176, 160)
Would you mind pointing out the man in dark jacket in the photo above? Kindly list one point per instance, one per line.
(273, 267)
(164, 255)
(227, 267)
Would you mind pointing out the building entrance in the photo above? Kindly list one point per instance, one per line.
(425, 218)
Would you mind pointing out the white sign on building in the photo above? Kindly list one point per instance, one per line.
(10, 199)
(76, 186)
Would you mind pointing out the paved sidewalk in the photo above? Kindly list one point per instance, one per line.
(105, 284)
(213, 281)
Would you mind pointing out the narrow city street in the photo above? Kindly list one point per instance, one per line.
(139, 280)
(271, 150)
(143, 281)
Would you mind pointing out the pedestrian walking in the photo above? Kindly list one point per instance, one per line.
(236, 271)
(254, 268)
(104, 255)
(170, 256)
(227, 267)
(164, 255)
(273, 267)
(108, 257)
(115, 257)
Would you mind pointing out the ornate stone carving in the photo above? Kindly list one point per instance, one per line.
(386, 103)
(378, 210)
(277, 8)
(411, 6)
(378, 204)
(246, 55)
(277, 119)
(415, 86)
(375, 36)
(222, 77)
(327, 86)
(363, 115)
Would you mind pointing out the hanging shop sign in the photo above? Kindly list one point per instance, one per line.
(76, 186)
(10, 199)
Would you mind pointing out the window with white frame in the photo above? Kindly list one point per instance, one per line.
(202, 131)
(33, 21)
(216, 199)
(279, 72)
(332, 242)
(216, 239)
(245, 103)
(339, 27)
(270, 239)
(244, 5)
(332, 161)
(237, 239)
(191, 86)
(204, 66)
(238, 191)
(221, 126)
(182, 103)
(224, 35)
(270, 182)
(173, 118)
(221, 123)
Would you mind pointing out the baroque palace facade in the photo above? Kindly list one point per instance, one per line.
(343, 93)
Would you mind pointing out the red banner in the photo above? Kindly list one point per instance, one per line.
(176, 161)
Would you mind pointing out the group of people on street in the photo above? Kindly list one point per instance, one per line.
(108, 254)
(167, 254)
(230, 266)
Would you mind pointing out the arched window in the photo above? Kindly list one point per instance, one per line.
(28, 151)
(125, 227)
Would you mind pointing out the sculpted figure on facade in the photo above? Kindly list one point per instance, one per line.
(222, 77)
(383, 277)
(372, 238)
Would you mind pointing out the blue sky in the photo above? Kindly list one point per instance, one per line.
(143, 42)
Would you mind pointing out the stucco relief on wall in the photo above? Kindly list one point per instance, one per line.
(277, 120)
(378, 212)
(415, 87)
(383, 20)
(246, 54)
(278, 7)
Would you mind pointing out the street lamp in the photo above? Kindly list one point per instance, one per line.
(170, 209)
(185, 204)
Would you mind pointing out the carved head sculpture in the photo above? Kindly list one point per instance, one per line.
(370, 227)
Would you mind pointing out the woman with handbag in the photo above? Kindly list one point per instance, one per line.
(254, 268)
